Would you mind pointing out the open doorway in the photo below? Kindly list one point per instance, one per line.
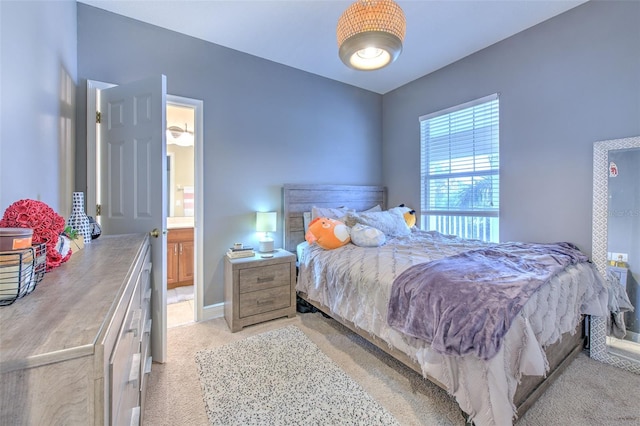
(180, 190)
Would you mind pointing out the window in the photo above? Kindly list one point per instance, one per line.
(459, 170)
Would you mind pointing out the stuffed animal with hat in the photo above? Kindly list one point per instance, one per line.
(409, 215)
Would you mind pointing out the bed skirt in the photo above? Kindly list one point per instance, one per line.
(559, 356)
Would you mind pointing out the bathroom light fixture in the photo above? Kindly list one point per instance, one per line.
(370, 34)
(266, 222)
(177, 136)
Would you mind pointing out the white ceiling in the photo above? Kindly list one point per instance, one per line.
(301, 33)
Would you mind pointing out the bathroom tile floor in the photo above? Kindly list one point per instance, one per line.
(180, 306)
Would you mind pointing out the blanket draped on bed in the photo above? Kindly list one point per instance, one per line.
(465, 303)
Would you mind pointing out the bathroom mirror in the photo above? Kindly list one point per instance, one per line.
(616, 247)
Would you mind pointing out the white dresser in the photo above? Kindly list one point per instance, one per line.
(76, 350)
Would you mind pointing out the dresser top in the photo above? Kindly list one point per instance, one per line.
(69, 309)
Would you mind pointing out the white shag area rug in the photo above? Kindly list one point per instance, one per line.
(282, 378)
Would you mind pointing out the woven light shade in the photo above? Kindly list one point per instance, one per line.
(370, 34)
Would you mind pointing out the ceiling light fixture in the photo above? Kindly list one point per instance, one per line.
(177, 136)
(370, 34)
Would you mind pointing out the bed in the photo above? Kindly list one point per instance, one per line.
(542, 340)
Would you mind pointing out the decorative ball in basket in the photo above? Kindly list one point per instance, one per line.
(47, 225)
(30, 232)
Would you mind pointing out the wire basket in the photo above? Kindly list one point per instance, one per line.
(20, 272)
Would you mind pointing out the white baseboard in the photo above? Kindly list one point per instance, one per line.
(213, 311)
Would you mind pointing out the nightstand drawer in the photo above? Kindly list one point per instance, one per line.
(264, 277)
(258, 302)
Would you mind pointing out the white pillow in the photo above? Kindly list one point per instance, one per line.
(367, 236)
(390, 222)
(306, 220)
(375, 208)
(329, 212)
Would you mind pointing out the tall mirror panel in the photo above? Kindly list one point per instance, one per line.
(616, 250)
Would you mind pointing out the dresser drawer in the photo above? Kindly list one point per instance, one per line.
(124, 364)
(145, 366)
(145, 303)
(128, 343)
(261, 278)
(125, 378)
(145, 335)
(258, 302)
(129, 416)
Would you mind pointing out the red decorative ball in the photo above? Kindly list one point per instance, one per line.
(47, 226)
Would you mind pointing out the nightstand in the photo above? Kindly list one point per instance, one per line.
(258, 289)
(621, 273)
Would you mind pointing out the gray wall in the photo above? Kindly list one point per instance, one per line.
(37, 104)
(265, 124)
(563, 84)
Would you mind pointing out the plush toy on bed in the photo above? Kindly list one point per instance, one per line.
(409, 215)
(367, 236)
(327, 233)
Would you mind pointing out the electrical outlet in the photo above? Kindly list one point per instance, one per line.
(620, 257)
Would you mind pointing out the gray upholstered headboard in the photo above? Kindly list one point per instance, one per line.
(298, 199)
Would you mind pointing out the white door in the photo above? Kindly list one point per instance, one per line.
(133, 178)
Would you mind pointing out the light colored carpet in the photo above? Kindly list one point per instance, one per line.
(280, 377)
(587, 393)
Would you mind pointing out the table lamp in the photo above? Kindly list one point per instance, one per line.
(266, 222)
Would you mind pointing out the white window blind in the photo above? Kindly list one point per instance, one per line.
(460, 170)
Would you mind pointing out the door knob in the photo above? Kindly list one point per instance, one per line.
(155, 233)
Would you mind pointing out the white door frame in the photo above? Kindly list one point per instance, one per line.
(171, 158)
(93, 194)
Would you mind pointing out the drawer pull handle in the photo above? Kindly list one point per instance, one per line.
(135, 323)
(147, 267)
(134, 373)
(135, 417)
(265, 302)
(147, 365)
(266, 279)
(147, 326)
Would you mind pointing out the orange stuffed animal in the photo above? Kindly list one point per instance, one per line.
(327, 233)
(409, 215)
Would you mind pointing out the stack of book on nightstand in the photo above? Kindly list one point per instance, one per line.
(236, 253)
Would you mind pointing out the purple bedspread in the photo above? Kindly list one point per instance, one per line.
(465, 303)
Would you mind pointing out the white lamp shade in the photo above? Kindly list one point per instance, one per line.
(266, 221)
